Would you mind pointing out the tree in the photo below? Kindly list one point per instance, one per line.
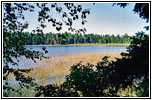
(129, 72)
(14, 23)
(106, 80)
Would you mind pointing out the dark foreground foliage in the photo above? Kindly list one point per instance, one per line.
(106, 79)
(127, 76)
(14, 21)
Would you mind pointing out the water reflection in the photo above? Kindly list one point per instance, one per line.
(67, 50)
(63, 50)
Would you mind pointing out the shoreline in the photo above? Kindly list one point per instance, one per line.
(60, 65)
(91, 44)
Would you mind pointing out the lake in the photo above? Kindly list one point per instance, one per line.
(63, 57)
(69, 50)
(65, 50)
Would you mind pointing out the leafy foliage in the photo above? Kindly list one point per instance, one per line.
(109, 77)
(13, 48)
(14, 40)
(74, 12)
(106, 79)
(53, 90)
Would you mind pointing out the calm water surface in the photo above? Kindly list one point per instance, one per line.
(64, 50)
(68, 50)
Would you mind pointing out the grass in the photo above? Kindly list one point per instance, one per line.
(87, 44)
(59, 65)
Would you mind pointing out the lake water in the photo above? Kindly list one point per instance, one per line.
(68, 50)
(65, 50)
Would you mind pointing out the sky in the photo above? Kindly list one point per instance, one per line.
(104, 19)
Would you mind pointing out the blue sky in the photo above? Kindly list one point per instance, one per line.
(104, 19)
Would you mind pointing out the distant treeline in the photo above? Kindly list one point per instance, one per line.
(68, 38)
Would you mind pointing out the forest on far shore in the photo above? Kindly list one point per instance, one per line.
(68, 38)
(127, 76)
